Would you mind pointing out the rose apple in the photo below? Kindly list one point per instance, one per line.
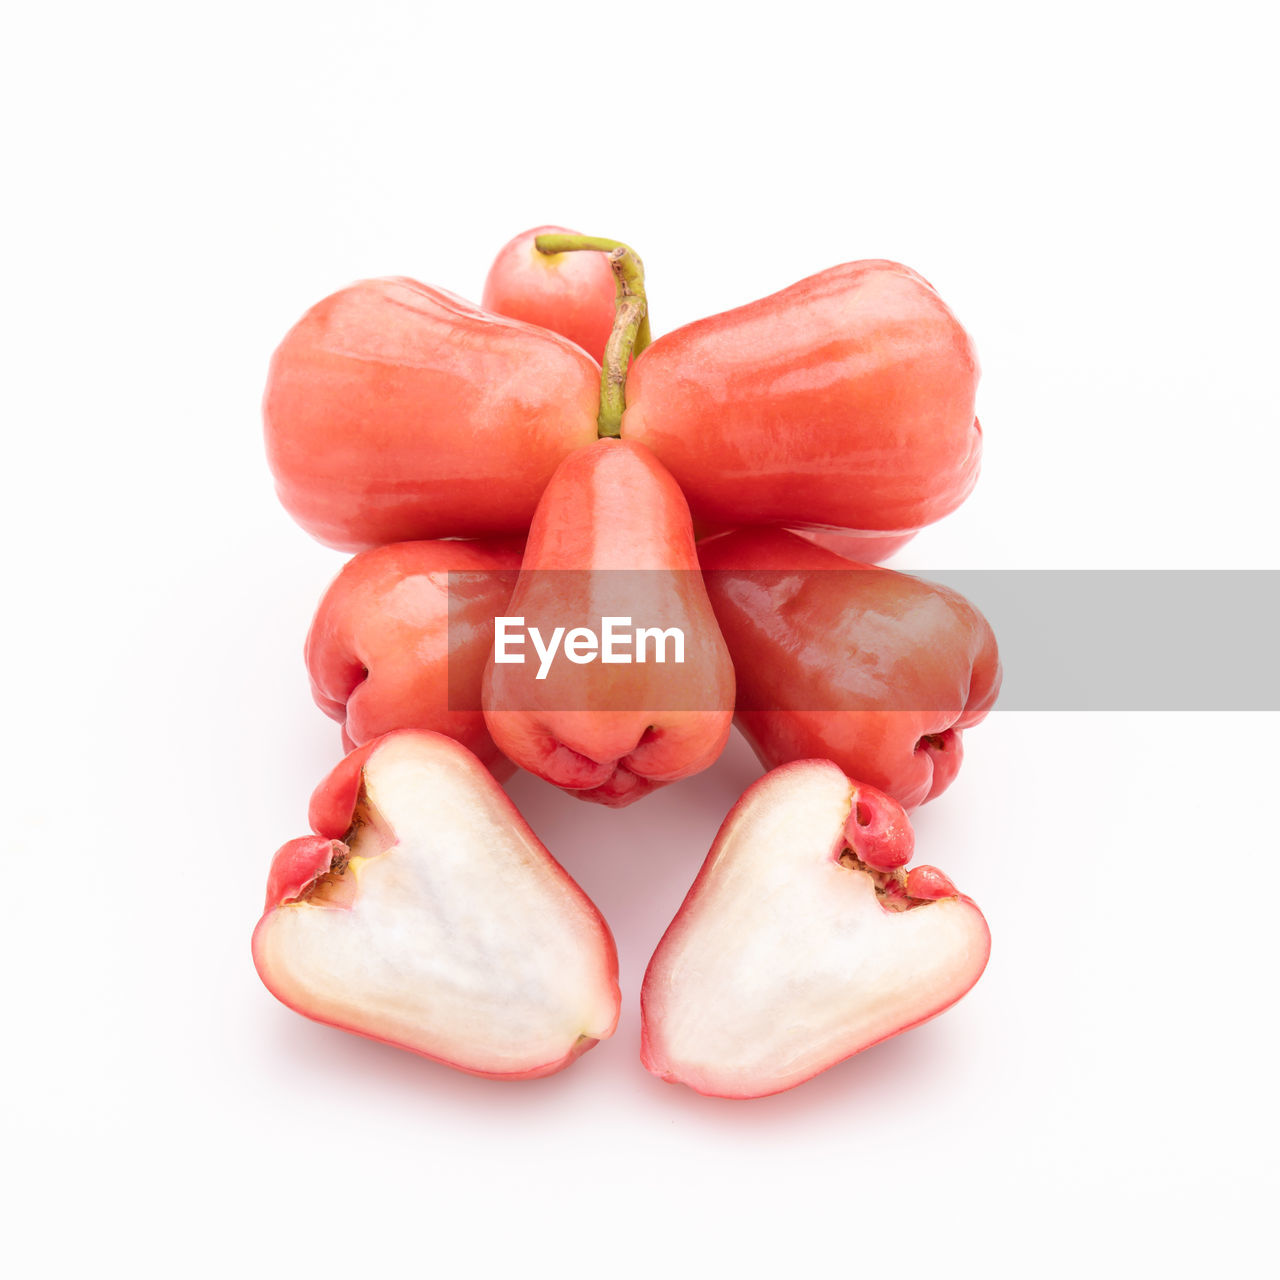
(569, 293)
(846, 400)
(401, 638)
(802, 942)
(876, 670)
(612, 538)
(395, 411)
(425, 913)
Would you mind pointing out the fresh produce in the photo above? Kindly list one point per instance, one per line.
(876, 670)
(569, 293)
(425, 913)
(801, 943)
(395, 411)
(612, 539)
(845, 401)
(568, 539)
(401, 639)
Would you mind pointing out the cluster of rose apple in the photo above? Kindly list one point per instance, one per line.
(537, 464)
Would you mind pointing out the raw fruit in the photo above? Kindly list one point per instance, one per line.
(801, 941)
(401, 638)
(570, 293)
(846, 400)
(425, 913)
(612, 538)
(395, 411)
(876, 670)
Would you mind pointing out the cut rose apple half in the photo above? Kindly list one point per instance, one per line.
(802, 942)
(426, 913)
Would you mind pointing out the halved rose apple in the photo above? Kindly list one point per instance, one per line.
(425, 913)
(802, 941)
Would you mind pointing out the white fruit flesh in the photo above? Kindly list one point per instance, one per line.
(460, 937)
(783, 959)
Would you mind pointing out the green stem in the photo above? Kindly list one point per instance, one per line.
(630, 333)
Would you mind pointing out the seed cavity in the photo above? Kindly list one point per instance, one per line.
(335, 888)
(890, 886)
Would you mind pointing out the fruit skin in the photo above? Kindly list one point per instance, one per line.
(784, 959)
(612, 734)
(846, 400)
(570, 293)
(876, 670)
(852, 544)
(297, 864)
(395, 412)
(345, 820)
(378, 652)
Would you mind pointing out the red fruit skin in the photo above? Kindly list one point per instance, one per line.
(846, 400)
(878, 830)
(333, 803)
(875, 670)
(378, 652)
(851, 544)
(612, 734)
(930, 884)
(854, 544)
(297, 864)
(395, 411)
(332, 807)
(572, 294)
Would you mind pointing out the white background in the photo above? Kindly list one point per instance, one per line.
(1092, 189)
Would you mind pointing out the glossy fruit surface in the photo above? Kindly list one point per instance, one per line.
(846, 400)
(855, 544)
(569, 293)
(401, 638)
(395, 412)
(876, 670)
(612, 538)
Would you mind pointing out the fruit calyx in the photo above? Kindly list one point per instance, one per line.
(332, 888)
(877, 830)
(901, 890)
(311, 868)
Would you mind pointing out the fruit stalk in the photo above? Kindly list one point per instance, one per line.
(631, 332)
